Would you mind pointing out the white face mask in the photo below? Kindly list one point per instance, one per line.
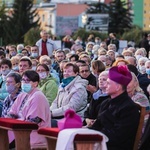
(138, 57)
(43, 75)
(126, 57)
(142, 69)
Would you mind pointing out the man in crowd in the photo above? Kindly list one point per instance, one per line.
(84, 71)
(59, 56)
(34, 52)
(24, 64)
(118, 117)
(46, 46)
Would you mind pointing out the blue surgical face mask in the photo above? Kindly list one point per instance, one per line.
(26, 87)
(5, 72)
(148, 71)
(34, 68)
(19, 51)
(10, 88)
(13, 53)
(15, 68)
(34, 55)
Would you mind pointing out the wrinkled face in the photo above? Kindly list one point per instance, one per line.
(84, 71)
(111, 87)
(102, 81)
(68, 72)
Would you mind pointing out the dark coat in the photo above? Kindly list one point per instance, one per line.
(118, 119)
(93, 109)
(144, 82)
(145, 142)
(92, 81)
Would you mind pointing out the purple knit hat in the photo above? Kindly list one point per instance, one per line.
(120, 74)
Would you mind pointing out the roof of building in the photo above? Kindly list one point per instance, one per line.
(70, 9)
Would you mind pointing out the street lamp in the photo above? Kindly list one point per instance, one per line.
(84, 19)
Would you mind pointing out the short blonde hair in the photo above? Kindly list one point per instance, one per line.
(14, 59)
(45, 58)
(102, 51)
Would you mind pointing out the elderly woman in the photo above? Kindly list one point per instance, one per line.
(13, 87)
(91, 114)
(47, 83)
(71, 94)
(141, 64)
(136, 93)
(139, 53)
(31, 105)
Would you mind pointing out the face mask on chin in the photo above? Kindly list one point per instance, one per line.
(35, 55)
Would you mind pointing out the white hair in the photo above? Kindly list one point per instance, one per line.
(21, 46)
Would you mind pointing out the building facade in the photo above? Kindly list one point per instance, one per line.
(146, 15)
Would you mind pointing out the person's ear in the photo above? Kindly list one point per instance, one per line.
(18, 85)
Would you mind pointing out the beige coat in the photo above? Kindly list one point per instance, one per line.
(73, 96)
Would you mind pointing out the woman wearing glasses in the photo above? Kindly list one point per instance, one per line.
(31, 105)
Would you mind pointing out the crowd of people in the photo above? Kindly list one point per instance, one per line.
(38, 83)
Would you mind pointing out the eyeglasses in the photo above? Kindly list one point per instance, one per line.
(25, 80)
(82, 71)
